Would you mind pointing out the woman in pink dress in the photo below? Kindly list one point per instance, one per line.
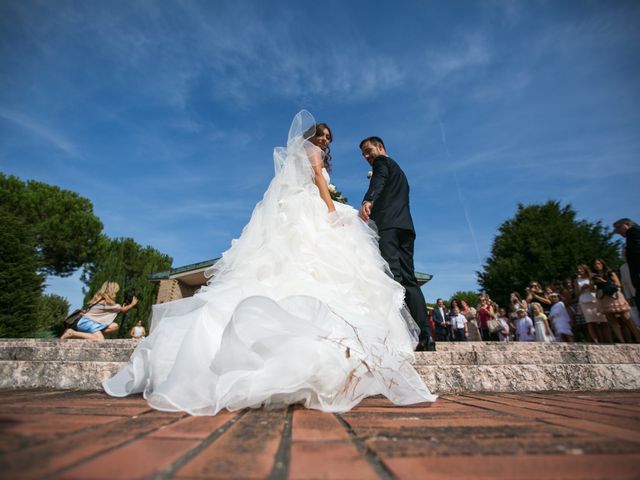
(611, 302)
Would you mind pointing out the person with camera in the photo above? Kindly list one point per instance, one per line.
(99, 318)
(535, 293)
(611, 302)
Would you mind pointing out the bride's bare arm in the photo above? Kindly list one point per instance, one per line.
(321, 183)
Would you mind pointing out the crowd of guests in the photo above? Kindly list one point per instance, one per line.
(596, 304)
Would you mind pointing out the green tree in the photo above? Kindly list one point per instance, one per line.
(124, 261)
(543, 243)
(51, 312)
(64, 226)
(471, 298)
(20, 284)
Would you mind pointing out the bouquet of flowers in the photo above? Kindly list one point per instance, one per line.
(336, 195)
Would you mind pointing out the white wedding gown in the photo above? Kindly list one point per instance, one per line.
(300, 309)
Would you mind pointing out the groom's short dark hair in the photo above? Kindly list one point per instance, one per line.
(374, 140)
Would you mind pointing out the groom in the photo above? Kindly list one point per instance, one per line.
(387, 203)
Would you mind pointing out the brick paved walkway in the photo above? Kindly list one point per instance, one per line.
(87, 435)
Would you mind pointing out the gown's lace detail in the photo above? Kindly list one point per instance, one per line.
(300, 309)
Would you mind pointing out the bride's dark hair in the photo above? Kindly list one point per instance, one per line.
(314, 132)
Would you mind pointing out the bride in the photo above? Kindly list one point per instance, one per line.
(300, 309)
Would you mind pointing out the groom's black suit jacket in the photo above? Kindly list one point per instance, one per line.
(633, 254)
(389, 193)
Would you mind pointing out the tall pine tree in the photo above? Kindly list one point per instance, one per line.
(63, 223)
(20, 284)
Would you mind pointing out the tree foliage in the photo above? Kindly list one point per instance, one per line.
(20, 284)
(543, 243)
(471, 298)
(65, 229)
(51, 312)
(124, 261)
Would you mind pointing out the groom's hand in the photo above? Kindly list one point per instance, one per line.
(365, 211)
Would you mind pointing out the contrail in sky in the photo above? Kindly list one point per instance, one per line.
(460, 197)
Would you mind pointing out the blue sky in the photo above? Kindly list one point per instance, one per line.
(164, 114)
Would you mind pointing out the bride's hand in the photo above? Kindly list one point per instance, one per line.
(334, 219)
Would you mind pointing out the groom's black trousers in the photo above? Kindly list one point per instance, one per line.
(396, 247)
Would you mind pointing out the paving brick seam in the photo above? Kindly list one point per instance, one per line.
(169, 471)
(280, 470)
(63, 470)
(579, 406)
(67, 435)
(563, 421)
(552, 410)
(370, 456)
(594, 403)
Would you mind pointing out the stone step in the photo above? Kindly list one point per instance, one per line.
(72, 375)
(441, 379)
(530, 378)
(447, 354)
(454, 368)
(57, 354)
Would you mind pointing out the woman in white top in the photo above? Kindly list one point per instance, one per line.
(560, 319)
(597, 327)
(100, 317)
(138, 331)
(541, 324)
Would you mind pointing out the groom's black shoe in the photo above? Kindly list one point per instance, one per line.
(426, 345)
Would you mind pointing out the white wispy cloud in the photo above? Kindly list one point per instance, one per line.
(471, 51)
(244, 57)
(41, 131)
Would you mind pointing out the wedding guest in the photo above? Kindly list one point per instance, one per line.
(631, 232)
(535, 293)
(440, 318)
(560, 319)
(611, 302)
(464, 307)
(569, 295)
(138, 332)
(628, 290)
(459, 322)
(597, 328)
(99, 319)
(504, 335)
(431, 323)
(541, 324)
(453, 304)
(516, 303)
(473, 332)
(484, 314)
(524, 327)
